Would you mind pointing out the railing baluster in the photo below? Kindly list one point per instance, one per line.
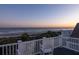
(13, 49)
(3, 50)
(29, 46)
(9, 50)
(16, 49)
(6, 50)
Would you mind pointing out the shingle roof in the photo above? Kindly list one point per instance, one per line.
(75, 32)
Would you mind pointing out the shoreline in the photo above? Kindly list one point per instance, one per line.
(16, 34)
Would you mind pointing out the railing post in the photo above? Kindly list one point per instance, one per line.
(3, 50)
(52, 43)
(60, 40)
(19, 50)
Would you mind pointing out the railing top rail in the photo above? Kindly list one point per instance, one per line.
(8, 44)
(32, 41)
(71, 38)
(75, 38)
(38, 40)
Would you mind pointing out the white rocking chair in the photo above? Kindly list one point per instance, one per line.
(45, 49)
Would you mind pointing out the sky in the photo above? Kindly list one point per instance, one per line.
(39, 15)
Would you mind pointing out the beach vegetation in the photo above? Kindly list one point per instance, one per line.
(25, 37)
(49, 34)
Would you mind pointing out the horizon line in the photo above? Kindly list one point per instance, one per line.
(36, 27)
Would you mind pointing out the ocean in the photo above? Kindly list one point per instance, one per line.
(29, 30)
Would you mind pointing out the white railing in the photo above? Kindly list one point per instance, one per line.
(8, 49)
(34, 46)
(37, 46)
(71, 43)
(29, 47)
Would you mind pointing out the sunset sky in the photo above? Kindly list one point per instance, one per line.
(39, 15)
